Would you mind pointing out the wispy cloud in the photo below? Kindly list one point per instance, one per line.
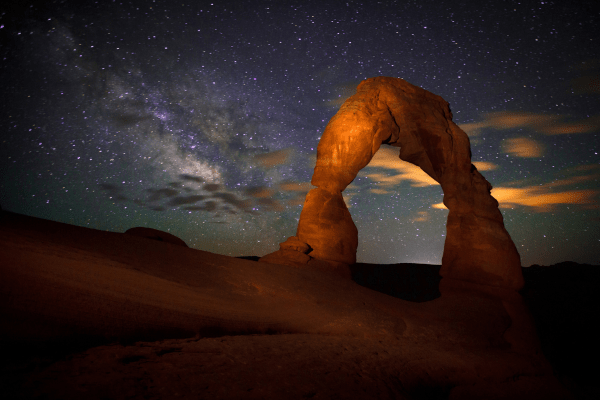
(523, 147)
(539, 198)
(472, 128)
(291, 186)
(379, 191)
(259, 192)
(268, 204)
(484, 165)
(543, 198)
(343, 92)
(401, 170)
(347, 197)
(547, 196)
(422, 216)
(274, 158)
(547, 124)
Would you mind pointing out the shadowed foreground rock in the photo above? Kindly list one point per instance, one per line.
(92, 314)
(155, 234)
(478, 248)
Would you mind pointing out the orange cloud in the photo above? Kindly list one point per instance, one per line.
(347, 197)
(267, 205)
(509, 120)
(540, 198)
(296, 186)
(422, 216)
(269, 160)
(536, 197)
(379, 191)
(484, 165)
(388, 158)
(260, 192)
(439, 206)
(523, 147)
(548, 124)
(573, 180)
(588, 167)
(472, 128)
(587, 125)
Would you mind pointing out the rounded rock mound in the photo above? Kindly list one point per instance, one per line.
(155, 234)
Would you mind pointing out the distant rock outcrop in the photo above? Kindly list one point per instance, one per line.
(155, 234)
(391, 111)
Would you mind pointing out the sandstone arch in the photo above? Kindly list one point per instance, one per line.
(389, 110)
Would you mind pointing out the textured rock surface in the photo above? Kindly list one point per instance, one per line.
(254, 330)
(155, 234)
(327, 226)
(478, 248)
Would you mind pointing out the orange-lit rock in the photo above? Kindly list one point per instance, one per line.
(74, 301)
(478, 248)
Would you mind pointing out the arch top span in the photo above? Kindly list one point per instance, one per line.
(392, 111)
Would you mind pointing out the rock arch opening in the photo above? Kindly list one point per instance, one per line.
(402, 217)
(392, 111)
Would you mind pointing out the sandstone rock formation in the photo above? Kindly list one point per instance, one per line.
(155, 234)
(478, 248)
(74, 300)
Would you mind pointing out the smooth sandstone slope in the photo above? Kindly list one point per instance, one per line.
(62, 281)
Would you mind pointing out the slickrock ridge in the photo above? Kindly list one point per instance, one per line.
(155, 234)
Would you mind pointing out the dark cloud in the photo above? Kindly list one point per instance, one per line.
(159, 194)
(120, 198)
(208, 206)
(229, 210)
(123, 120)
(270, 204)
(233, 200)
(114, 192)
(179, 201)
(191, 178)
(211, 187)
(109, 187)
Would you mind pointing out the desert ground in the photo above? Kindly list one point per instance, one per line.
(105, 315)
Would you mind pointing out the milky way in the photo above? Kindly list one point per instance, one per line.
(203, 119)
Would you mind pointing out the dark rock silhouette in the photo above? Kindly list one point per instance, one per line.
(155, 234)
(563, 300)
(250, 258)
(407, 281)
(478, 248)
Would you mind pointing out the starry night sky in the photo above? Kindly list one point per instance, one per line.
(203, 119)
